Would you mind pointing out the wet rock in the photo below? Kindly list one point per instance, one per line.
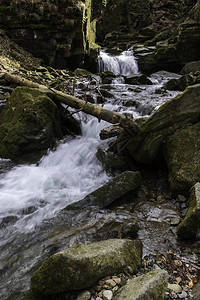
(82, 266)
(184, 109)
(110, 131)
(149, 286)
(117, 187)
(112, 161)
(107, 77)
(191, 67)
(183, 159)
(30, 123)
(181, 83)
(106, 93)
(190, 224)
(137, 79)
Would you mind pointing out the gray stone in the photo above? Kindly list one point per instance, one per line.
(117, 187)
(110, 283)
(81, 266)
(175, 287)
(145, 287)
(107, 295)
(190, 224)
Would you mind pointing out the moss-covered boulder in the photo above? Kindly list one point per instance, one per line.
(30, 123)
(148, 286)
(183, 159)
(113, 190)
(188, 228)
(81, 266)
(177, 113)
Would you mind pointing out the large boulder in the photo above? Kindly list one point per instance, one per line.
(113, 190)
(191, 67)
(148, 286)
(188, 228)
(177, 113)
(30, 123)
(183, 158)
(81, 266)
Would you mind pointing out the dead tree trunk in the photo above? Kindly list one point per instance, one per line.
(87, 107)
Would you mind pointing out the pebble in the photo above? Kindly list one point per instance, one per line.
(175, 287)
(117, 280)
(107, 295)
(183, 295)
(85, 295)
(110, 283)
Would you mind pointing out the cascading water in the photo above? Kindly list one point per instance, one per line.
(124, 64)
(31, 195)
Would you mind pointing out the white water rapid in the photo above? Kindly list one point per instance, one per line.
(123, 64)
(31, 196)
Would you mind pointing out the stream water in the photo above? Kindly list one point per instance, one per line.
(32, 196)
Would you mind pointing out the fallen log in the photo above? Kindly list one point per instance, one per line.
(92, 109)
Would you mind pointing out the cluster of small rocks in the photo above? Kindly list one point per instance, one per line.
(105, 289)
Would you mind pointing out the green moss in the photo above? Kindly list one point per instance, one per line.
(82, 266)
(29, 122)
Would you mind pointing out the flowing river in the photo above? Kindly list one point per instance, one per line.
(32, 196)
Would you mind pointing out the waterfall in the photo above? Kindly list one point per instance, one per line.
(124, 64)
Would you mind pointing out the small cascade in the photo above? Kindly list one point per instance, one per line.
(124, 64)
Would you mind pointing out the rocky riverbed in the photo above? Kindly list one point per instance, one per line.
(36, 227)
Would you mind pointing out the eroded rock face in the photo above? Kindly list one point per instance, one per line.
(174, 50)
(190, 224)
(51, 30)
(82, 266)
(148, 286)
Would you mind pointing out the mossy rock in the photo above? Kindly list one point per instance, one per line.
(188, 228)
(183, 159)
(177, 113)
(151, 285)
(30, 123)
(191, 67)
(180, 84)
(81, 266)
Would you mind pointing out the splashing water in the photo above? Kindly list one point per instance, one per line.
(124, 64)
(35, 193)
